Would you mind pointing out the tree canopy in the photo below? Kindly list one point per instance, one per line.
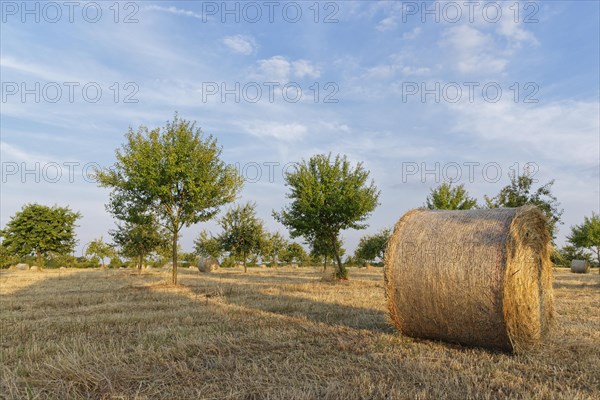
(98, 249)
(446, 197)
(242, 232)
(273, 244)
(587, 235)
(174, 172)
(328, 195)
(139, 237)
(520, 192)
(208, 246)
(39, 230)
(371, 247)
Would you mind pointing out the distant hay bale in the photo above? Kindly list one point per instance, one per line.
(208, 264)
(35, 268)
(22, 267)
(477, 277)
(580, 266)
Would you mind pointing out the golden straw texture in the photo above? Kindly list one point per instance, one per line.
(475, 277)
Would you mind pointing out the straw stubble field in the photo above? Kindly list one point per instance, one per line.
(269, 334)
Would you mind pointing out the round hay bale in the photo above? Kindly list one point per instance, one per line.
(208, 264)
(22, 266)
(35, 268)
(475, 277)
(580, 266)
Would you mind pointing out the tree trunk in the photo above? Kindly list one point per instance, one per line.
(38, 258)
(245, 268)
(325, 264)
(141, 262)
(174, 278)
(341, 270)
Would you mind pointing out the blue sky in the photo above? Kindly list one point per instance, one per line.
(404, 84)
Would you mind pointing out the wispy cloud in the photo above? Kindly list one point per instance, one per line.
(280, 69)
(274, 130)
(241, 44)
(174, 10)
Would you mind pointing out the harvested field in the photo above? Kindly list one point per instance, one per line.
(272, 334)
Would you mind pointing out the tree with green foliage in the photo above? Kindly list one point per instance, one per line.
(446, 197)
(587, 235)
(372, 247)
(520, 192)
(242, 232)
(97, 249)
(273, 244)
(294, 252)
(175, 173)
(40, 230)
(208, 246)
(328, 195)
(139, 237)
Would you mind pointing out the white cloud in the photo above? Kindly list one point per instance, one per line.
(398, 64)
(472, 51)
(275, 130)
(276, 68)
(304, 68)
(412, 35)
(240, 44)
(174, 11)
(387, 24)
(557, 131)
(515, 32)
(280, 69)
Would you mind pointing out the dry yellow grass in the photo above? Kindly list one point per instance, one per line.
(270, 334)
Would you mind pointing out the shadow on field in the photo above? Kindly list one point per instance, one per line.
(84, 292)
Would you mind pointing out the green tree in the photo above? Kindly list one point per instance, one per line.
(371, 247)
(208, 246)
(322, 250)
(587, 235)
(99, 250)
(39, 230)
(273, 244)
(139, 237)
(242, 232)
(328, 196)
(294, 252)
(446, 197)
(174, 172)
(520, 192)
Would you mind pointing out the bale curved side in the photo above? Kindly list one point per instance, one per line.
(476, 277)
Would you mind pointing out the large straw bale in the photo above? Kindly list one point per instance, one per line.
(475, 277)
(580, 266)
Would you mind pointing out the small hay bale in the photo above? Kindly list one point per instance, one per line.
(22, 267)
(580, 266)
(208, 265)
(35, 268)
(476, 277)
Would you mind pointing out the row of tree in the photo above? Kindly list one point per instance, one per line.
(172, 177)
